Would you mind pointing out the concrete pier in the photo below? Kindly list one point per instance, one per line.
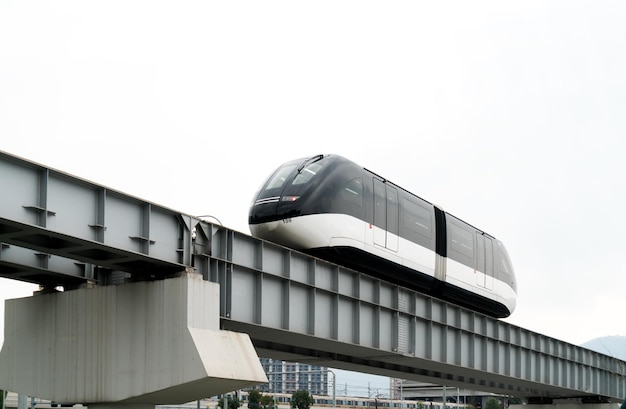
(143, 344)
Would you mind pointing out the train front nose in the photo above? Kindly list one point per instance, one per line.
(264, 230)
(263, 209)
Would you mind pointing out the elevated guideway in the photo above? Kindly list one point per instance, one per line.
(59, 230)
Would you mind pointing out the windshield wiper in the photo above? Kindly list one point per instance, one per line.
(309, 161)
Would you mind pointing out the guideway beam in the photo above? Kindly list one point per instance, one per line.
(143, 343)
(302, 309)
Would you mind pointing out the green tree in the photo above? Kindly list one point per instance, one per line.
(233, 402)
(301, 399)
(254, 399)
(492, 403)
(267, 402)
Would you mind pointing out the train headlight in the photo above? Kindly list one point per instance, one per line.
(289, 198)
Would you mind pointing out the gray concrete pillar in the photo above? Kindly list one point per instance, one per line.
(143, 343)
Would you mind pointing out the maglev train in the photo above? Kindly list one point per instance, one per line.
(331, 208)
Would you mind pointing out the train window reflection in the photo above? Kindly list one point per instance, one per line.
(353, 192)
(280, 177)
(461, 241)
(506, 269)
(417, 220)
(307, 173)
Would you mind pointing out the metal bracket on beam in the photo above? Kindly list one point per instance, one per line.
(142, 239)
(40, 210)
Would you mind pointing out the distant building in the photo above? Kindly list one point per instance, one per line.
(289, 377)
(411, 390)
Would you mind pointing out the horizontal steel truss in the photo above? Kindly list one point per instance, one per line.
(299, 308)
(59, 230)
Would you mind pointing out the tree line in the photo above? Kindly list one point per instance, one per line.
(256, 400)
(303, 399)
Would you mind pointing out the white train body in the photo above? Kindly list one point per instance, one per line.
(331, 208)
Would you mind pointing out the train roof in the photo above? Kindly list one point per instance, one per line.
(341, 157)
(427, 201)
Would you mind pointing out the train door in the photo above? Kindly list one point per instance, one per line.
(484, 261)
(385, 215)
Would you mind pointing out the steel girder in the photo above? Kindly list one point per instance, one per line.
(300, 308)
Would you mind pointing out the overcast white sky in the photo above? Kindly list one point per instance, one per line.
(510, 115)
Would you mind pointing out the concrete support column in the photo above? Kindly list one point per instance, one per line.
(143, 343)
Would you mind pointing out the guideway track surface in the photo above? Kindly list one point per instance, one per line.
(59, 230)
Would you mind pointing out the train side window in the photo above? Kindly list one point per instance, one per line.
(392, 210)
(461, 244)
(505, 269)
(352, 192)
(380, 204)
(416, 222)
